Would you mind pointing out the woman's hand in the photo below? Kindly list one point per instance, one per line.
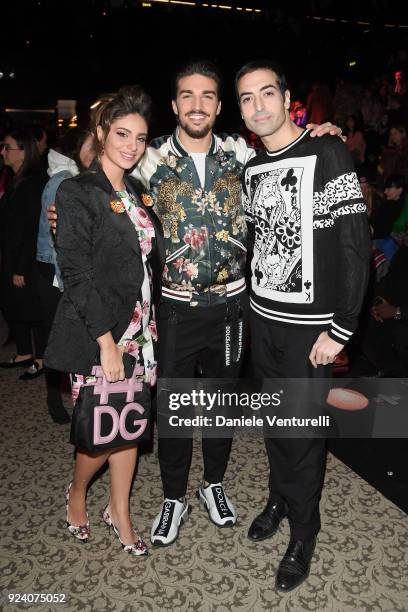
(112, 364)
(111, 358)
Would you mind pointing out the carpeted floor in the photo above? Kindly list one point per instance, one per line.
(361, 562)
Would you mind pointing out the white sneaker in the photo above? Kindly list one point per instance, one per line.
(220, 509)
(166, 525)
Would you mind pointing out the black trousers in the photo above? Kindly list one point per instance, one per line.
(21, 333)
(46, 298)
(190, 337)
(49, 297)
(297, 465)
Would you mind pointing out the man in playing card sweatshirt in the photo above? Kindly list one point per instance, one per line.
(310, 268)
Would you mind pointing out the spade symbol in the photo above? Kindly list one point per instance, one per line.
(289, 180)
(258, 275)
(307, 284)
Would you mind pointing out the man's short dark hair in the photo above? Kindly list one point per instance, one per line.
(202, 67)
(262, 65)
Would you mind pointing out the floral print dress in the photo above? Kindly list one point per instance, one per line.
(140, 337)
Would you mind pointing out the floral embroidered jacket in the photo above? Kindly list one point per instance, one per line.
(204, 229)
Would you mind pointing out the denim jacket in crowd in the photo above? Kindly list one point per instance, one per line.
(60, 168)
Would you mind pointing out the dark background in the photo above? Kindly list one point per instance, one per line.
(79, 49)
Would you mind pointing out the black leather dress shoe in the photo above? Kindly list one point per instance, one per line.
(295, 565)
(266, 524)
(16, 364)
(34, 371)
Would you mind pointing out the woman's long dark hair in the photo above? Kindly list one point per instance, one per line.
(70, 144)
(25, 141)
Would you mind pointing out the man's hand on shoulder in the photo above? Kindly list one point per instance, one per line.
(324, 350)
(325, 128)
(18, 281)
(52, 217)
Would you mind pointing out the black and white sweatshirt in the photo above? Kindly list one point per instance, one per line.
(312, 244)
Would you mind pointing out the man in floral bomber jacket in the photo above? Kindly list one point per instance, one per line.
(194, 177)
(194, 180)
(203, 222)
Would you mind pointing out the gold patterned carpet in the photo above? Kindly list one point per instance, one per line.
(361, 561)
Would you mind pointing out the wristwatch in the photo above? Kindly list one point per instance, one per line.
(397, 315)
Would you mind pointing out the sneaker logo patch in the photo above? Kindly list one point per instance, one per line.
(220, 502)
(166, 518)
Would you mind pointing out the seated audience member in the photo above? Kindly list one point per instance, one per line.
(383, 218)
(394, 157)
(402, 222)
(396, 112)
(385, 341)
(371, 199)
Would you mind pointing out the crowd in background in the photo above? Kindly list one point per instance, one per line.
(30, 282)
(374, 118)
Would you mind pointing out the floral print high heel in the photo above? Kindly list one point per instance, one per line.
(137, 549)
(80, 532)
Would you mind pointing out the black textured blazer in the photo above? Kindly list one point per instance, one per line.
(99, 255)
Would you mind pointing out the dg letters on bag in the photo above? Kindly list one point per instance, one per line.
(111, 415)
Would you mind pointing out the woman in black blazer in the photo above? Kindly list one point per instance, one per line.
(111, 276)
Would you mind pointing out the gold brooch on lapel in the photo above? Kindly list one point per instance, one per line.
(117, 206)
(147, 199)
